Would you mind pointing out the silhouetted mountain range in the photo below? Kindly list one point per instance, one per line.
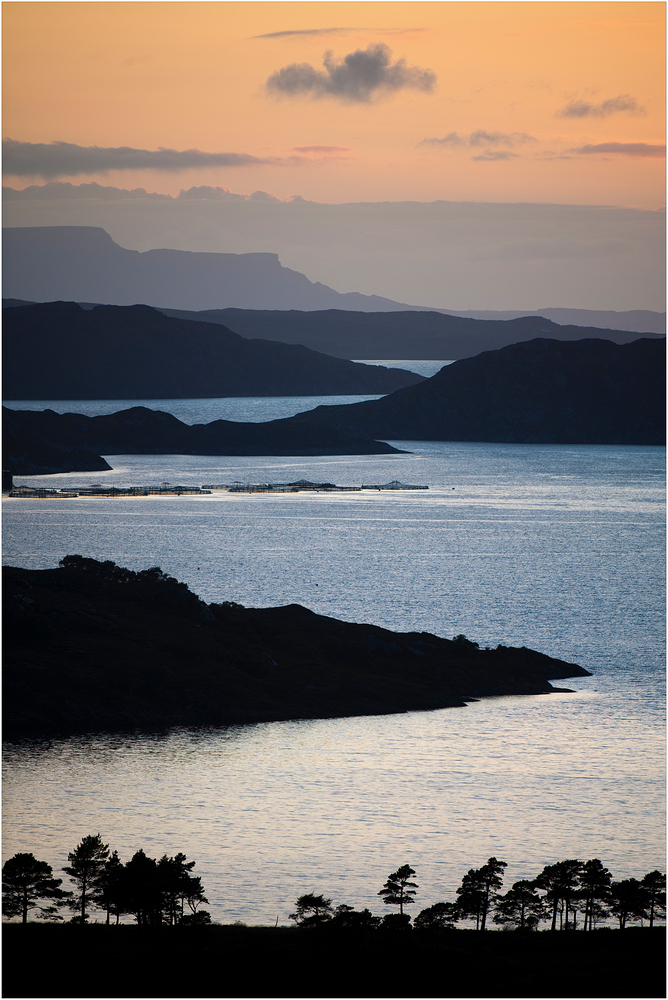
(43, 442)
(543, 391)
(377, 335)
(91, 646)
(58, 350)
(84, 264)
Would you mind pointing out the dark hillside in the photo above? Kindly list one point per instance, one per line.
(92, 647)
(540, 392)
(57, 350)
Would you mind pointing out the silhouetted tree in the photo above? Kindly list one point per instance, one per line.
(396, 923)
(521, 906)
(440, 916)
(561, 883)
(140, 889)
(110, 886)
(470, 895)
(476, 893)
(196, 919)
(25, 881)
(174, 877)
(399, 890)
(627, 901)
(312, 910)
(347, 916)
(654, 888)
(595, 888)
(86, 869)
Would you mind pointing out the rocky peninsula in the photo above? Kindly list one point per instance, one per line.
(94, 647)
(39, 442)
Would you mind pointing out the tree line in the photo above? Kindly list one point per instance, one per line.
(566, 895)
(154, 891)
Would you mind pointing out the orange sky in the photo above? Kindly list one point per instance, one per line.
(193, 75)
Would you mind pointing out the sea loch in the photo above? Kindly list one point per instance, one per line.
(554, 547)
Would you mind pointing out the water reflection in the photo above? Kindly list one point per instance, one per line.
(278, 809)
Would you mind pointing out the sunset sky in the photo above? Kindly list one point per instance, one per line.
(559, 103)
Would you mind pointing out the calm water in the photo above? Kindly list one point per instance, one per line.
(252, 409)
(555, 547)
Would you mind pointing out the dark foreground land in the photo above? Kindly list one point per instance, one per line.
(92, 646)
(235, 961)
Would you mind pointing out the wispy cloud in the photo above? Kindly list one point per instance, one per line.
(358, 78)
(315, 32)
(480, 138)
(490, 155)
(623, 149)
(325, 150)
(623, 104)
(306, 31)
(65, 159)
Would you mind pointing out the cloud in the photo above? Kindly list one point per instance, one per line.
(322, 149)
(358, 78)
(495, 154)
(624, 149)
(204, 193)
(65, 159)
(480, 138)
(306, 31)
(63, 190)
(623, 104)
(314, 32)
(452, 139)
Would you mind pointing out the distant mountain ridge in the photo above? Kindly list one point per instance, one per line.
(383, 335)
(83, 264)
(58, 350)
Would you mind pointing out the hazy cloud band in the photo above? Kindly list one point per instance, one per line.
(624, 149)
(480, 138)
(623, 104)
(65, 159)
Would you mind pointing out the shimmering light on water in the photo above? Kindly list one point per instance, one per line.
(557, 548)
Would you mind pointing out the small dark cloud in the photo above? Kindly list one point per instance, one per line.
(623, 149)
(358, 78)
(322, 149)
(491, 155)
(480, 138)
(623, 104)
(65, 159)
